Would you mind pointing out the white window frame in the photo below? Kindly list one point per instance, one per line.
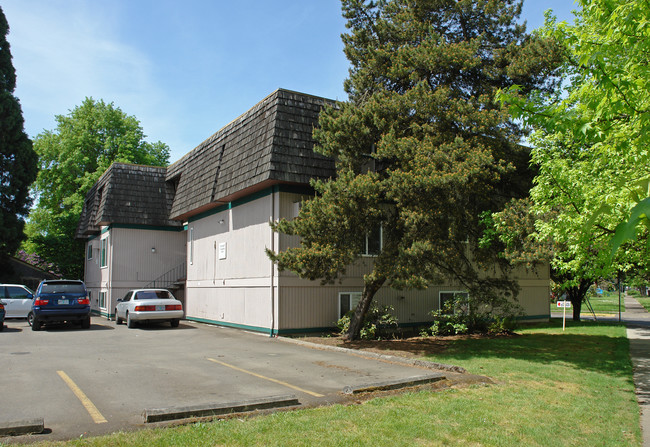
(191, 235)
(89, 252)
(102, 299)
(453, 292)
(103, 253)
(353, 300)
(366, 243)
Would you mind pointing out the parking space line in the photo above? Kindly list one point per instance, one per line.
(311, 393)
(90, 407)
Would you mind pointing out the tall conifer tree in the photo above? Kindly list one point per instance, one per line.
(18, 161)
(422, 147)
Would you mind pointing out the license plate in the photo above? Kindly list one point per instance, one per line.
(64, 301)
(160, 307)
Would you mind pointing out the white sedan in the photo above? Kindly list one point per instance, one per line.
(144, 305)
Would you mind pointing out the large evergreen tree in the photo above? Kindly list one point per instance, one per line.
(18, 161)
(72, 158)
(422, 147)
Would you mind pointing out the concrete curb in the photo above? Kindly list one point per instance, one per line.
(390, 358)
(25, 427)
(172, 413)
(394, 384)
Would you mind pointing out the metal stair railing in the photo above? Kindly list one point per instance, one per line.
(174, 276)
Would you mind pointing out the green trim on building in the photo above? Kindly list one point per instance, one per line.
(146, 227)
(102, 313)
(264, 330)
(208, 213)
(312, 330)
(293, 189)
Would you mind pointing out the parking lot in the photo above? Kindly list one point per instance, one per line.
(96, 381)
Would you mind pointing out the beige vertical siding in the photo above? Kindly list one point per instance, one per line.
(131, 262)
(236, 290)
(245, 289)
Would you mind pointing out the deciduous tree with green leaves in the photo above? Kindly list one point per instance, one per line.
(591, 140)
(72, 158)
(18, 161)
(421, 147)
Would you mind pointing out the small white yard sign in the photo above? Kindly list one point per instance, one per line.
(564, 305)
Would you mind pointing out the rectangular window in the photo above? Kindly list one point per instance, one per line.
(89, 252)
(348, 301)
(102, 300)
(192, 245)
(454, 302)
(373, 242)
(102, 255)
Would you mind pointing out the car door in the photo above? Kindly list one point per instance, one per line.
(122, 304)
(18, 301)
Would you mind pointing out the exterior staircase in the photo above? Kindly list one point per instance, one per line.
(173, 280)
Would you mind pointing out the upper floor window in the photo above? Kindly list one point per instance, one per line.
(373, 242)
(103, 253)
(191, 245)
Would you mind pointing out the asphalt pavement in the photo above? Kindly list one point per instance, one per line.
(63, 382)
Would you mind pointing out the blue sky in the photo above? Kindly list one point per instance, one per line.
(183, 69)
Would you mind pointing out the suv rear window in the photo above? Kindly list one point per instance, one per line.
(63, 287)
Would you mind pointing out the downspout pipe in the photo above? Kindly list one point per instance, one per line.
(273, 192)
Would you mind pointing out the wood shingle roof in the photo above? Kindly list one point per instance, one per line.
(269, 144)
(127, 194)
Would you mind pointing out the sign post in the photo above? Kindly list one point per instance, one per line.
(564, 305)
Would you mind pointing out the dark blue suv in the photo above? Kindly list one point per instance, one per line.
(60, 300)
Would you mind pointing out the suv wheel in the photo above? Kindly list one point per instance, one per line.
(30, 318)
(36, 325)
(85, 323)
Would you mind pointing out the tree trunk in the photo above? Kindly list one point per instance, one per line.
(356, 322)
(577, 295)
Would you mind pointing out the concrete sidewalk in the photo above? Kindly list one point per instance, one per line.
(637, 320)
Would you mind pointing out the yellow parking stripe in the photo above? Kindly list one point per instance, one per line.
(90, 407)
(311, 393)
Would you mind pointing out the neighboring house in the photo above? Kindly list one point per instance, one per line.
(28, 274)
(213, 211)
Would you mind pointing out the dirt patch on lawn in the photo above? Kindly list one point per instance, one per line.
(412, 347)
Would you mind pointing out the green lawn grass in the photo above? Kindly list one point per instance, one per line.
(606, 303)
(552, 388)
(645, 302)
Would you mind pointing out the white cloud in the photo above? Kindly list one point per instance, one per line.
(65, 51)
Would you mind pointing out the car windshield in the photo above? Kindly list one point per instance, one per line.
(152, 295)
(63, 287)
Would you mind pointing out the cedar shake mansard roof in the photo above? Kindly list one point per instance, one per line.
(270, 144)
(127, 194)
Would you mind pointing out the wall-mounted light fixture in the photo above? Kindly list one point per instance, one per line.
(221, 221)
(153, 249)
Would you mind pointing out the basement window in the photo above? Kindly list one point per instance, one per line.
(348, 301)
(454, 302)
